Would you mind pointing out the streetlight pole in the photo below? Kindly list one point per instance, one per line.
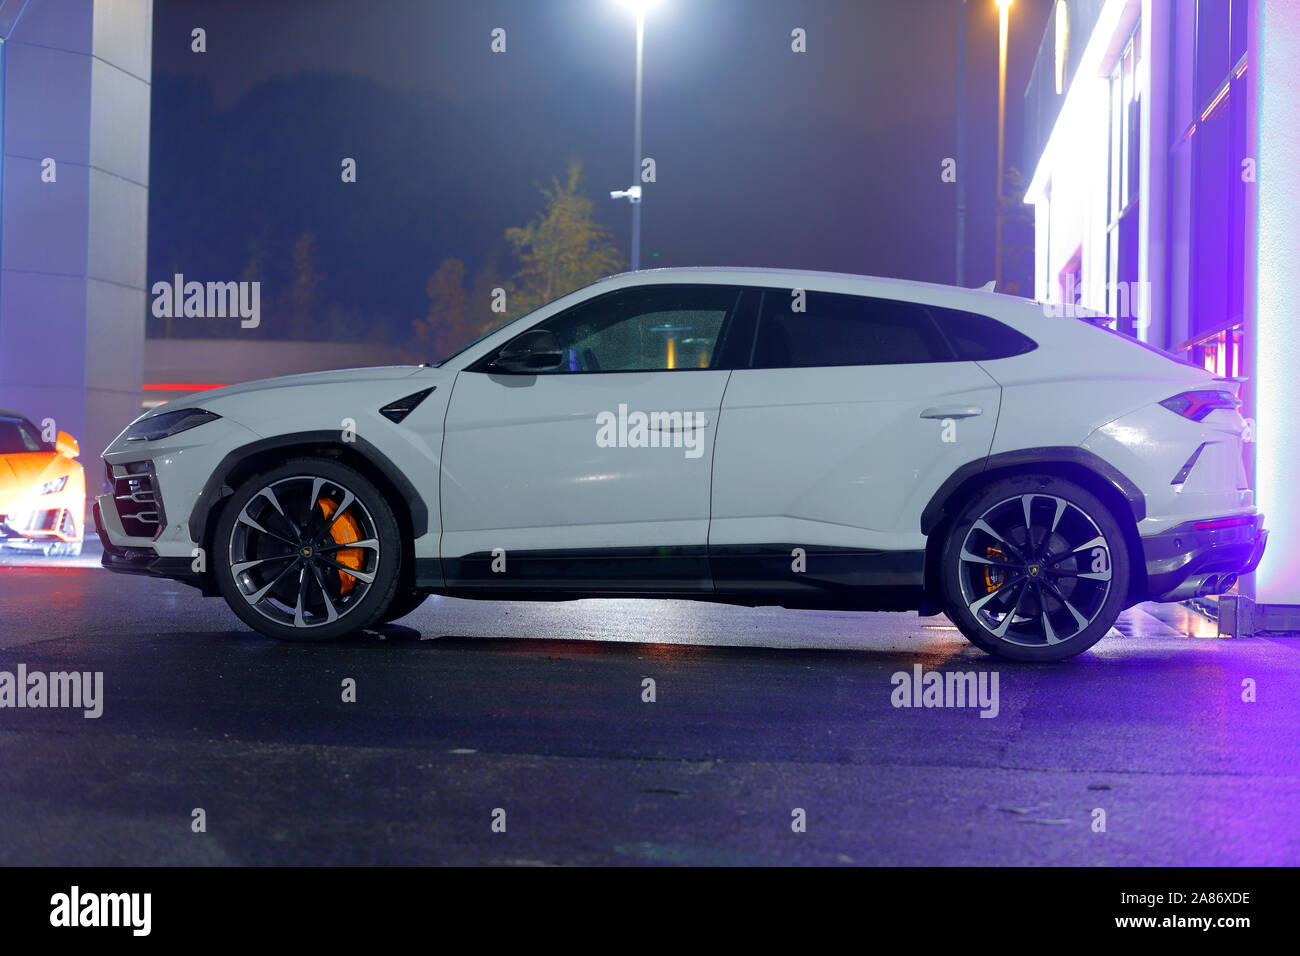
(961, 147)
(1003, 6)
(633, 193)
(636, 146)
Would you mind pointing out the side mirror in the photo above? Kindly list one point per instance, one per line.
(66, 445)
(535, 351)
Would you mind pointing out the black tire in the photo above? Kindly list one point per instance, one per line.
(404, 602)
(1057, 567)
(301, 538)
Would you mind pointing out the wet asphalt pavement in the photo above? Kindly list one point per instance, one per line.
(467, 709)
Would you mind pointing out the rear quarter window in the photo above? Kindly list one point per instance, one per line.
(837, 330)
(978, 338)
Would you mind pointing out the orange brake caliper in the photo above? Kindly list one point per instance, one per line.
(344, 531)
(992, 575)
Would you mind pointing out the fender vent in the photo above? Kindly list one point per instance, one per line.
(398, 410)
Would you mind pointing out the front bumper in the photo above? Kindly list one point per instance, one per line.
(1186, 562)
(13, 535)
(36, 528)
(144, 559)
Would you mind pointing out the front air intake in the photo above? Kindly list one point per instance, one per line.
(138, 504)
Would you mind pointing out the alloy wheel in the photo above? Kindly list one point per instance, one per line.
(1035, 570)
(304, 551)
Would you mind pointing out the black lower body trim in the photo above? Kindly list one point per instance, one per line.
(1026, 459)
(803, 576)
(620, 570)
(796, 567)
(212, 490)
(784, 575)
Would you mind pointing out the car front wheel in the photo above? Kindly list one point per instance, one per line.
(308, 551)
(404, 602)
(1035, 568)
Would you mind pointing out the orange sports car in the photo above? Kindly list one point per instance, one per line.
(42, 489)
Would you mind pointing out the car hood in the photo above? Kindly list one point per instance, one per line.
(214, 396)
(20, 472)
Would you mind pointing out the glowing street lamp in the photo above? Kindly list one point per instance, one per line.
(633, 194)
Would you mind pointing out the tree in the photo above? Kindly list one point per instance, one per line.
(564, 248)
(300, 298)
(448, 324)
(1017, 236)
(487, 281)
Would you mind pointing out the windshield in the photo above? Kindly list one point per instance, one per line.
(17, 435)
(443, 361)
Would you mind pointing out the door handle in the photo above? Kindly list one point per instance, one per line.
(953, 411)
(683, 427)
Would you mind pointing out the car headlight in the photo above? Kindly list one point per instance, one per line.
(55, 486)
(168, 424)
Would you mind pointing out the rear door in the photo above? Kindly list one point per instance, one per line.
(850, 416)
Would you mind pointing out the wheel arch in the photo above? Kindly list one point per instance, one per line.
(1120, 495)
(409, 507)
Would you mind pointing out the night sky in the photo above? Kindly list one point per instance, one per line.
(824, 160)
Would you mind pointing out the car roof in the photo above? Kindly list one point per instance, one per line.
(760, 275)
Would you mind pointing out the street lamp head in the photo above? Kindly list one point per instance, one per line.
(1004, 3)
(640, 7)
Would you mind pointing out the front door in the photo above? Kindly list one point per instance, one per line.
(594, 476)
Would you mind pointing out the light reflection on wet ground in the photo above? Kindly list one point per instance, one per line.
(537, 706)
(21, 558)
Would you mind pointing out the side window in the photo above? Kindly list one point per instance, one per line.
(646, 329)
(844, 330)
(978, 338)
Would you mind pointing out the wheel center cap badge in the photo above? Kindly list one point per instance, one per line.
(305, 552)
(1033, 570)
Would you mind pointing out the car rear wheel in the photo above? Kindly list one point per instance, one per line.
(309, 551)
(1035, 568)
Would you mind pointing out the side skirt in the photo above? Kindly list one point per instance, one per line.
(778, 575)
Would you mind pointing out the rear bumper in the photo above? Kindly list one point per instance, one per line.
(1187, 562)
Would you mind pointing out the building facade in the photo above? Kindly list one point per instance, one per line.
(74, 196)
(1164, 139)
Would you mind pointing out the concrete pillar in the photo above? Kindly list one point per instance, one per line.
(1153, 215)
(76, 89)
(1275, 61)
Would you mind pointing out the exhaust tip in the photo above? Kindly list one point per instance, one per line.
(1216, 584)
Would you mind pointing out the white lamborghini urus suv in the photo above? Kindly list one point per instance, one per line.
(747, 436)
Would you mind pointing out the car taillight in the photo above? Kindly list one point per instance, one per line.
(1196, 405)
